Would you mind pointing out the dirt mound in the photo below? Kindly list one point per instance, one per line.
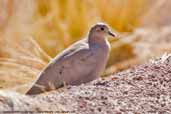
(140, 90)
(143, 89)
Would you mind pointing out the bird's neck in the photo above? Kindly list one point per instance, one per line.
(97, 41)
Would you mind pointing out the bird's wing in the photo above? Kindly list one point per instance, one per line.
(74, 61)
(79, 54)
(76, 47)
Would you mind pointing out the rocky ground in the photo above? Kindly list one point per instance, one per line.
(139, 90)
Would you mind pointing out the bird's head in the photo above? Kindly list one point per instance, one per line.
(101, 30)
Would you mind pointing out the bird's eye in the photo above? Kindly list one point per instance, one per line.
(102, 28)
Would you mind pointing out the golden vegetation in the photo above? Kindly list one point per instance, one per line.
(60, 23)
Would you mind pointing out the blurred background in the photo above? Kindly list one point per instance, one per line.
(32, 32)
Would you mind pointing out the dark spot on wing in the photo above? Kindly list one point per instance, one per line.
(61, 70)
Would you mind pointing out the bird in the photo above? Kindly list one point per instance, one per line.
(82, 62)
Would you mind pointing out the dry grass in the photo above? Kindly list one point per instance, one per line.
(58, 23)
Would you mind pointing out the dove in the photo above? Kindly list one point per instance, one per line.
(82, 62)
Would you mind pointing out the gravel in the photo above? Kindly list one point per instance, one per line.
(141, 89)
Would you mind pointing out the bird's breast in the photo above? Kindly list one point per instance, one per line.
(101, 49)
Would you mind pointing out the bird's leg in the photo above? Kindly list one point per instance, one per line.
(64, 84)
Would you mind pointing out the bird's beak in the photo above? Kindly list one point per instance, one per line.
(111, 34)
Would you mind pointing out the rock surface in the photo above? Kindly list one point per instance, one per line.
(14, 103)
(140, 90)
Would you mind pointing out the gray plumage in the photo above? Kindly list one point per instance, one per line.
(82, 62)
